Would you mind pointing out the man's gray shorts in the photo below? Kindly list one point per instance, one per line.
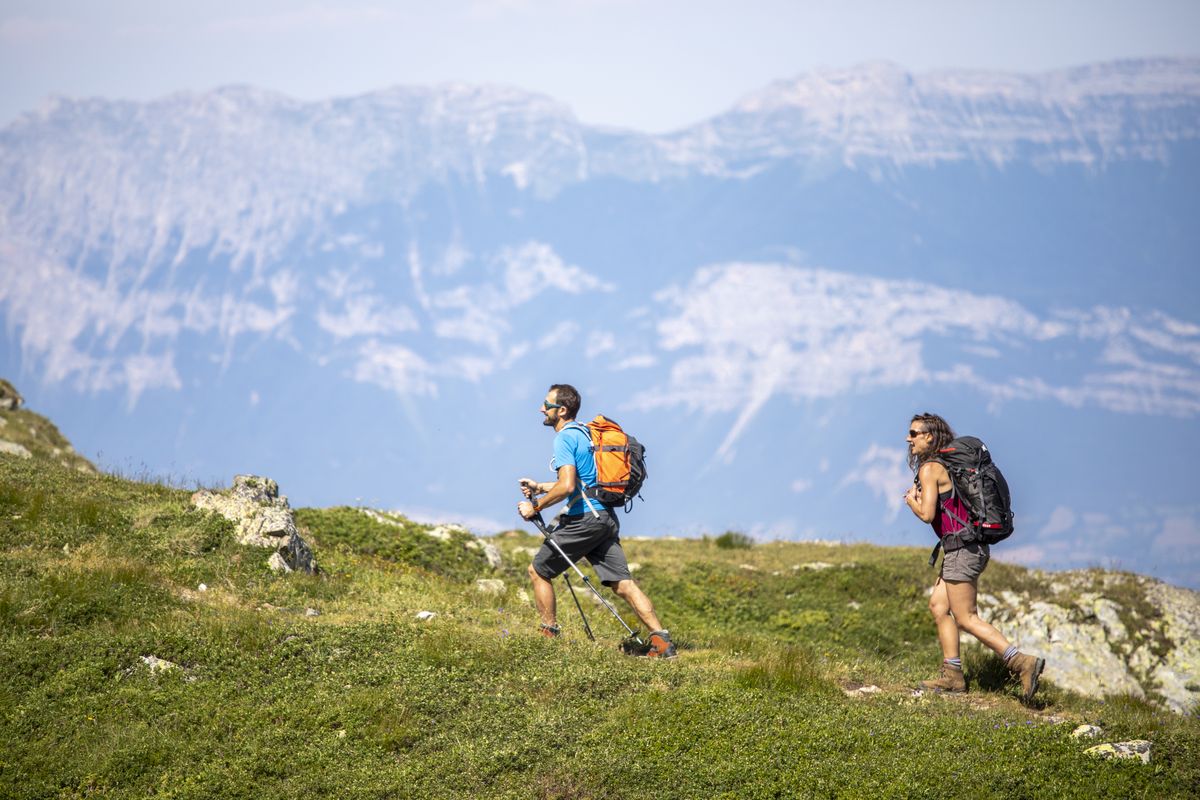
(966, 563)
(585, 536)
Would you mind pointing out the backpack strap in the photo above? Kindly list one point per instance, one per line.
(955, 517)
(579, 426)
(953, 494)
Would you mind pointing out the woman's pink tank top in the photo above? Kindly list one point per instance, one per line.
(943, 523)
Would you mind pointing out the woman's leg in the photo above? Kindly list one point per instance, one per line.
(947, 629)
(961, 598)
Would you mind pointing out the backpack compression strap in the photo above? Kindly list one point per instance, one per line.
(580, 487)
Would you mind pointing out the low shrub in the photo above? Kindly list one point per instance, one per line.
(399, 540)
(733, 540)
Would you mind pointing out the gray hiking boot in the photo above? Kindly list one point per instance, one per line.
(1029, 670)
(949, 679)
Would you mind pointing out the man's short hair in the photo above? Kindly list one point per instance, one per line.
(567, 397)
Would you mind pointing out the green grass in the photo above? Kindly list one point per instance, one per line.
(365, 701)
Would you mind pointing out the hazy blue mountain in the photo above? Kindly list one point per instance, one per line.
(366, 297)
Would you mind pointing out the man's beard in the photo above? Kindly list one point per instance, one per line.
(547, 421)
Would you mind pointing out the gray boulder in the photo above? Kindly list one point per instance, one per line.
(1078, 655)
(263, 519)
(14, 449)
(492, 553)
(10, 398)
(157, 665)
(489, 586)
(1134, 750)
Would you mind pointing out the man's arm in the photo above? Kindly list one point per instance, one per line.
(554, 492)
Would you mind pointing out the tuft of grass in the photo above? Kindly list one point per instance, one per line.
(791, 670)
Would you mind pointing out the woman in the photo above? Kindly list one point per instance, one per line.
(952, 602)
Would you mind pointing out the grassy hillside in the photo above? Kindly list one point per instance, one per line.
(363, 700)
(37, 435)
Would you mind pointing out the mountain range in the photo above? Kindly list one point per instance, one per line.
(366, 297)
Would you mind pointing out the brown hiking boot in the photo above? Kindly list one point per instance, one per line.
(1028, 669)
(661, 645)
(551, 631)
(949, 679)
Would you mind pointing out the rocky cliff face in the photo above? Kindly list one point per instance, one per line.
(1109, 633)
(242, 173)
(881, 114)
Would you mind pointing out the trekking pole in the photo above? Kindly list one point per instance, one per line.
(546, 532)
(541, 524)
(587, 628)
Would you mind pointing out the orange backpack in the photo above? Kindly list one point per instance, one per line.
(620, 463)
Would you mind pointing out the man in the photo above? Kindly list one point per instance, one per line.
(588, 529)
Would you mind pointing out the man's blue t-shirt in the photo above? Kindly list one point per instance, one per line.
(573, 447)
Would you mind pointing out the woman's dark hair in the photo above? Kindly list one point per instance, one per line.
(567, 397)
(942, 434)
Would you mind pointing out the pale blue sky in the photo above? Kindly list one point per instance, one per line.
(653, 65)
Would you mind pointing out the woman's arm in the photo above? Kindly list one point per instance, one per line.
(922, 499)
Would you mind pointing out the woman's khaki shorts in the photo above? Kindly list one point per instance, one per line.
(966, 563)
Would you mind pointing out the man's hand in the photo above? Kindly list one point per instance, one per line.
(525, 509)
(912, 496)
(529, 487)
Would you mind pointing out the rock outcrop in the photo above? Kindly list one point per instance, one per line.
(14, 449)
(263, 518)
(10, 398)
(1107, 633)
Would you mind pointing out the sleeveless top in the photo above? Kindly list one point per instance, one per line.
(944, 524)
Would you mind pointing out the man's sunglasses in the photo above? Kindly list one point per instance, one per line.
(549, 406)
(912, 433)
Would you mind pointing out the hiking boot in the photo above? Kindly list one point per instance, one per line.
(661, 645)
(1028, 669)
(551, 631)
(949, 679)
